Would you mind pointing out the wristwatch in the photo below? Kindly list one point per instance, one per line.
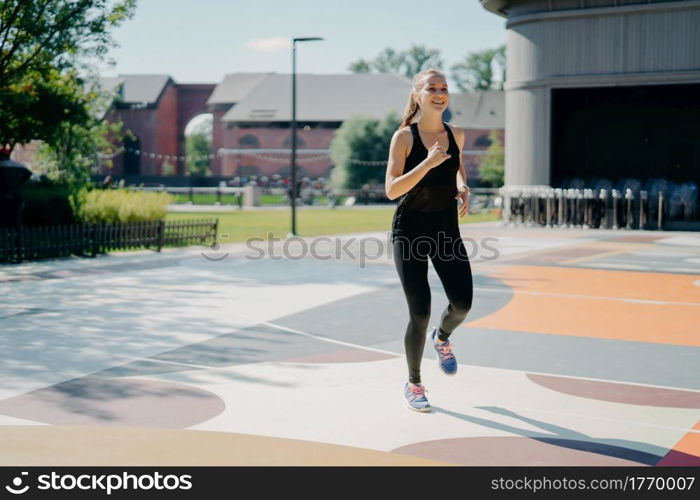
(463, 188)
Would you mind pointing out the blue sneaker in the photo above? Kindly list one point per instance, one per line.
(446, 359)
(415, 397)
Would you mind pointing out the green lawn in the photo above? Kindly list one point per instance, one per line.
(206, 199)
(239, 226)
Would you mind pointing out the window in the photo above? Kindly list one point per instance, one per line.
(249, 141)
(483, 141)
(300, 141)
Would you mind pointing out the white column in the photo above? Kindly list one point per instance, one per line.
(527, 136)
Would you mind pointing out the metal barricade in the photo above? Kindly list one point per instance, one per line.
(549, 208)
(604, 217)
(601, 208)
(561, 206)
(615, 205)
(629, 215)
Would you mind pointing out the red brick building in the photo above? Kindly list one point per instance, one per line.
(252, 113)
(156, 110)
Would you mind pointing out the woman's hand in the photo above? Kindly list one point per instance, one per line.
(436, 155)
(464, 207)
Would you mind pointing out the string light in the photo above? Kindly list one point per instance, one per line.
(223, 152)
(368, 163)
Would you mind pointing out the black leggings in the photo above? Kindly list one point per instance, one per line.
(452, 266)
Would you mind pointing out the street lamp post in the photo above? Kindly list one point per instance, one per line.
(294, 127)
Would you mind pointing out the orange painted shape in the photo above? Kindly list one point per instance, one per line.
(602, 282)
(690, 443)
(686, 451)
(583, 304)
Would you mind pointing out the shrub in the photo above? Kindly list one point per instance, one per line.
(47, 202)
(121, 205)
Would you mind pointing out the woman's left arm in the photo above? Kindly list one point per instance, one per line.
(461, 175)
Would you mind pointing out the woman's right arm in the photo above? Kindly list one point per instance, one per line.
(396, 184)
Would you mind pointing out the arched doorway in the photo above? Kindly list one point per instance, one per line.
(132, 155)
(198, 145)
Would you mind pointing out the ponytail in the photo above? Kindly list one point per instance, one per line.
(410, 112)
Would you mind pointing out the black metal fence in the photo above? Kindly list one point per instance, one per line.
(24, 243)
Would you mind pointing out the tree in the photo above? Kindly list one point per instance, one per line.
(40, 34)
(500, 59)
(35, 106)
(361, 139)
(44, 44)
(360, 66)
(59, 111)
(389, 61)
(420, 57)
(168, 168)
(475, 71)
(78, 150)
(492, 166)
(198, 148)
(405, 63)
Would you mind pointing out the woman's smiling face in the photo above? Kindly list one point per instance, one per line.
(434, 94)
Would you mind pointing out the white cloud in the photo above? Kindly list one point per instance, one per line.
(270, 44)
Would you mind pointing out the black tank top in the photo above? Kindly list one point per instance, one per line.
(430, 206)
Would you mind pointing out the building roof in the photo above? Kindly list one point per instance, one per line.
(107, 88)
(111, 84)
(142, 89)
(478, 110)
(331, 98)
(266, 97)
(235, 87)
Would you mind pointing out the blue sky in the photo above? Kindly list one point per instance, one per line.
(201, 41)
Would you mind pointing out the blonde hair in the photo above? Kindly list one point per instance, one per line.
(412, 106)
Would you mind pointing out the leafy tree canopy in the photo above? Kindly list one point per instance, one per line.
(44, 45)
(492, 165)
(476, 70)
(40, 34)
(406, 63)
(359, 151)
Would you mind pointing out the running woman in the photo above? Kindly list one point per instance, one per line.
(429, 181)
